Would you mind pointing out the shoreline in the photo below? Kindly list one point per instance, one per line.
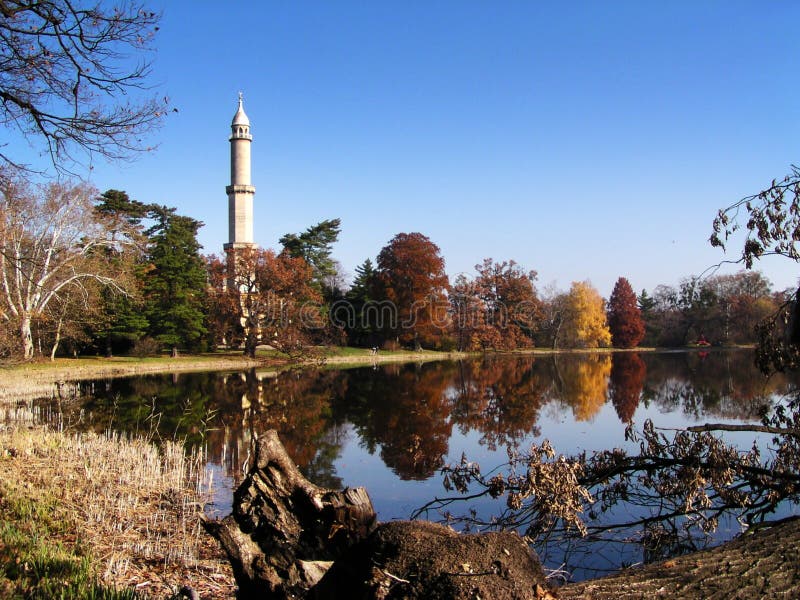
(25, 381)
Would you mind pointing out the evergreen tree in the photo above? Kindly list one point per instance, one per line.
(175, 288)
(314, 246)
(352, 315)
(624, 316)
(646, 303)
(125, 321)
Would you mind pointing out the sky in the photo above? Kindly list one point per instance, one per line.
(583, 140)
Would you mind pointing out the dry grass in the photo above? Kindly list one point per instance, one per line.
(134, 508)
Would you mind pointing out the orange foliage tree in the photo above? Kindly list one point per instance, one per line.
(624, 316)
(469, 322)
(410, 275)
(510, 301)
(276, 300)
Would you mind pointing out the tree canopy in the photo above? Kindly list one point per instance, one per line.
(585, 323)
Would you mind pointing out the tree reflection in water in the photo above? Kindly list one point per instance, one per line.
(501, 398)
(627, 381)
(404, 410)
(583, 383)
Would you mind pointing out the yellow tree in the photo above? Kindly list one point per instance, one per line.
(585, 324)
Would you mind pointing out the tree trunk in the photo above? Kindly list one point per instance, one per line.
(57, 341)
(764, 564)
(174, 352)
(26, 338)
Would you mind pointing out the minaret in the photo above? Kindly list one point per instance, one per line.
(240, 191)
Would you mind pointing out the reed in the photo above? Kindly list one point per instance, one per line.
(128, 510)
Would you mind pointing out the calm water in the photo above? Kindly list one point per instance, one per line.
(390, 428)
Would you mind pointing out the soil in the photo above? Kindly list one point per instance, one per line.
(405, 559)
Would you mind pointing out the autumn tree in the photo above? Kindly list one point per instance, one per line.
(54, 247)
(745, 299)
(223, 305)
(585, 323)
(624, 316)
(410, 275)
(469, 319)
(73, 78)
(276, 299)
(175, 284)
(509, 299)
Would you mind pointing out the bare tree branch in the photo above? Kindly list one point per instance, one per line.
(64, 70)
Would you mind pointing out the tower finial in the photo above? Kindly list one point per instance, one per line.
(241, 96)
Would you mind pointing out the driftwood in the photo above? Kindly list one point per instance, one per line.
(284, 532)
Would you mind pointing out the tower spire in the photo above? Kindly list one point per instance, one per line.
(240, 191)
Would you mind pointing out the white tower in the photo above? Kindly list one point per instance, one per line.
(240, 191)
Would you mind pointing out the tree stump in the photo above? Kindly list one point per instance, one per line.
(284, 532)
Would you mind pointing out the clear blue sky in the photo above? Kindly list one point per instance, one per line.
(585, 140)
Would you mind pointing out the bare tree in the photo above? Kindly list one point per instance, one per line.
(53, 243)
(63, 71)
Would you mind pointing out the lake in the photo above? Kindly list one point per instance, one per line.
(390, 428)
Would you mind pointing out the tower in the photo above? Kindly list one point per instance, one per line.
(240, 191)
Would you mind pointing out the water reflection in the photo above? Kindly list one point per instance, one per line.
(407, 413)
(627, 379)
(414, 418)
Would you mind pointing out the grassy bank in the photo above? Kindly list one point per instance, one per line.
(87, 516)
(25, 381)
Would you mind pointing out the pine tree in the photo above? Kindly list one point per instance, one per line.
(624, 316)
(176, 285)
(354, 318)
(314, 246)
